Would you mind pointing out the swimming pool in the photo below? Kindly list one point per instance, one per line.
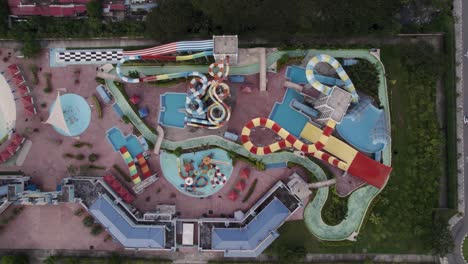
(189, 165)
(76, 112)
(172, 111)
(360, 127)
(297, 75)
(285, 116)
(117, 140)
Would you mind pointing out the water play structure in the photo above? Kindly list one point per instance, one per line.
(204, 101)
(198, 174)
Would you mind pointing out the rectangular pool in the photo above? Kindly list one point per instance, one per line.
(172, 110)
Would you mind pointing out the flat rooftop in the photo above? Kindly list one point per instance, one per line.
(339, 100)
(225, 44)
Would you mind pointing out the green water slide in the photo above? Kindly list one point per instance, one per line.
(359, 200)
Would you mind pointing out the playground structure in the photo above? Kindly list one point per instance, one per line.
(342, 155)
(207, 172)
(204, 104)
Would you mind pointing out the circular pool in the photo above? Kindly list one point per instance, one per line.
(76, 112)
(198, 174)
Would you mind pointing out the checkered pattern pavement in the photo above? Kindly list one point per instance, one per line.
(89, 56)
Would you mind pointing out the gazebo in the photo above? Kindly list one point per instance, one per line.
(233, 195)
(241, 185)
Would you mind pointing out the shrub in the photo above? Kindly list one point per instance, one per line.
(47, 89)
(79, 212)
(96, 167)
(178, 151)
(97, 104)
(93, 157)
(80, 156)
(68, 155)
(88, 221)
(81, 144)
(250, 191)
(133, 74)
(43, 105)
(122, 173)
(125, 119)
(100, 80)
(96, 229)
(33, 68)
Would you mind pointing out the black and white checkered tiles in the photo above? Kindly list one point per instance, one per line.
(87, 56)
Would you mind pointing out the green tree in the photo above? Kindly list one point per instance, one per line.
(88, 221)
(31, 46)
(442, 240)
(94, 9)
(15, 259)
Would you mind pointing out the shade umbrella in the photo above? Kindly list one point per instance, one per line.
(12, 148)
(108, 178)
(13, 69)
(135, 99)
(30, 110)
(23, 89)
(17, 139)
(115, 185)
(27, 100)
(143, 112)
(5, 155)
(245, 173)
(241, 185)
(18, 79)
(233, 195)
(128, 198)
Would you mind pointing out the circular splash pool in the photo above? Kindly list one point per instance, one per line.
(76, 112)
(198, 174)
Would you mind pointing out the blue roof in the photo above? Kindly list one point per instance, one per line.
(255, 232)
(129, 235)
(103, 94)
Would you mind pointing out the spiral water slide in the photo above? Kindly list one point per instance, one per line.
(349, 86)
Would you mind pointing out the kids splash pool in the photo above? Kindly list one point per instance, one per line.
(198, 174)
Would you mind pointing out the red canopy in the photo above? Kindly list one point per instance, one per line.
(233, 195)
(245, 173)
(27, 100)
(128, 198)
(30, 110)
(23, 89)
(241, 185)
(13, 69)
(17, 139)
(108, 178)
(18, 79)
(135, 99)
(12, 148)
(5, 155)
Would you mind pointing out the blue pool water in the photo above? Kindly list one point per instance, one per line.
(288, 118)
(172, 110)
(297, 75)
(117, 140)
(76, 112)
(170, 168)
(359, 132)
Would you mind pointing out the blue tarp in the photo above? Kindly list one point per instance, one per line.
(256, 231)
(129, 235)
(143, 112)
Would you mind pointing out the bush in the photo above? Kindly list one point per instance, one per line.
(34, 69)
(125, 119)
(97, 104)
(178, 151)
(88, 221)
(68, 155)
(81, 144)
(122, 173)
(100, 80)
(79, 212)
(80, 156)
(15, 259)
(93, 157)
(250, 191)
(96, 229)
(335, 209)
(133, 74)
(47, 89)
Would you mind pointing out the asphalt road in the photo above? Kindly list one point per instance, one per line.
(461, 229)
